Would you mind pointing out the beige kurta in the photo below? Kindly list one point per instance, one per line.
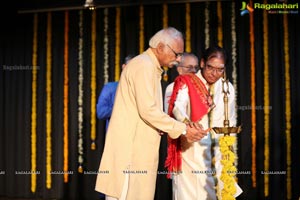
(196, 182)
(132, 140)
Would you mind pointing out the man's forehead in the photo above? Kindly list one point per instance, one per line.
(216, 64)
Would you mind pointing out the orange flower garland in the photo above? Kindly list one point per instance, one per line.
(288, 114)
(93, 81)
(253, 103)
(165, 15)
(66, 95)
(142, 39)
(188, 27)
(220, 31)
(118, 44)
(33, 102)
(48, 102)
(165, 25)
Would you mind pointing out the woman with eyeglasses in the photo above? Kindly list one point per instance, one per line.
(195, 166)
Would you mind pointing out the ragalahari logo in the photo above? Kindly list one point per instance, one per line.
(246, 8)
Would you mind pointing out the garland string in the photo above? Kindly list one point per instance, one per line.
(118, 44)
(80, 92)
(206, 29)
(253, 103)
(165, 25)
(93, 81)
(48, 103)
(233, 52)
(288, 114)
(105, 45)
(141, 32)
(188, 27)
(266, 103)
(220, 23)
(66, 97)
(33, 102)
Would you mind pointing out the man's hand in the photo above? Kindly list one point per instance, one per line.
(195, 132)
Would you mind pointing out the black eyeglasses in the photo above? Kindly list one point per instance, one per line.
(210, 68)
(176, 54)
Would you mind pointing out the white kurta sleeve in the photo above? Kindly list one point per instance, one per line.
(180, 110)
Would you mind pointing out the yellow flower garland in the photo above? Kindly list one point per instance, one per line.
(228, 169)
(220, 31)
(253, 103)
(93, 81)
(266, 103)
(141, 33)
(66, 95)
(33, 101)
(48, 103)
(165, 25)
(288, 123)
(188, 27)
(118, 44)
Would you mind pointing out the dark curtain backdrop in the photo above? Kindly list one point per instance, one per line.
(15, 95)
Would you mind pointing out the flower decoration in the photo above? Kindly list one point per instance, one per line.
(48, 102)
(33, 102)
(66, 95)
(80, 93)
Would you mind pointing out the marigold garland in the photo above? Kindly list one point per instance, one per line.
(220, 23)
(188, 27)
(93, 81)
(253, 103)
(118, 44)
(105, 46)
(206, 29)
(165, 15)
(33, 102)
(48, 102)
(165, 25)
(228, 169)
(266, 103)
(80, 93)
(288, 124)
(141, 32)
(66, 95)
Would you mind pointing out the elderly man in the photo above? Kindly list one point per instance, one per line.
(189, 64)
(199, 97)
(128, 167)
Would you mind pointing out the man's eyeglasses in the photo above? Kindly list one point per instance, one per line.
(176, 54)
(210, 68)
(191, 68)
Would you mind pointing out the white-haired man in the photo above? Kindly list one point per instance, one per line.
(128, 167)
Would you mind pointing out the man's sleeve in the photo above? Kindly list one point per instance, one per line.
(150, 112)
